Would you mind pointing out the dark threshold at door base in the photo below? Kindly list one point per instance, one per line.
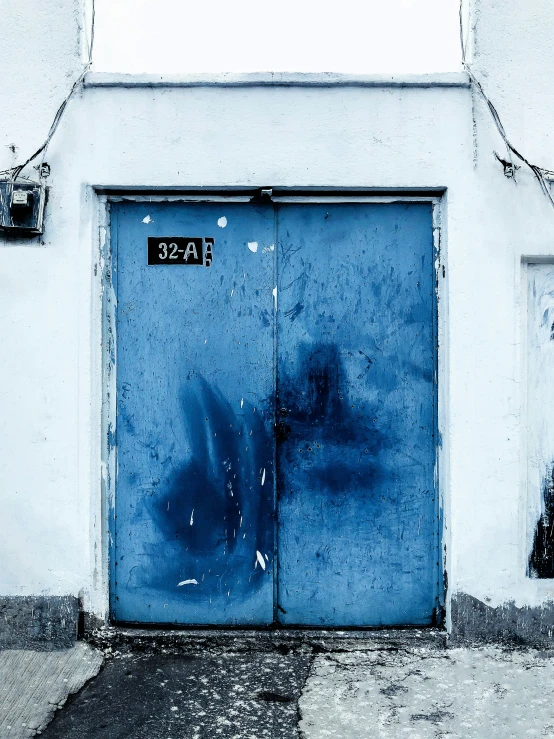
(130, 638)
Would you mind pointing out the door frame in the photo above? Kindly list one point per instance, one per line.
(104, 360)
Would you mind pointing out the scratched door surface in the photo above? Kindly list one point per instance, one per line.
(357, 508)
(276, 414)
(194, 505)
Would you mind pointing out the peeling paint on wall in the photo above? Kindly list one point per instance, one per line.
(540, 401)
(541, 561)
(475, 622)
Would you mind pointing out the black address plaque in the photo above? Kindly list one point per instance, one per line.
(195, 250)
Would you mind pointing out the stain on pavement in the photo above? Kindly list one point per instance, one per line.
(168, 696)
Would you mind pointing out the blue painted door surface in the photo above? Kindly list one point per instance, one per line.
(194, 500)
(276, 417)
(356, 376)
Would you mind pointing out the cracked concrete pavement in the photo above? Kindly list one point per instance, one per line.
(452, 694)
(33, 685)
(382, 687)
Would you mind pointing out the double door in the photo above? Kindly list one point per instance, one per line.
(276, 414)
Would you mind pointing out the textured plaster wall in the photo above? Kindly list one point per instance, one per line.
(41, 546)
(512, 55)
(340, 137)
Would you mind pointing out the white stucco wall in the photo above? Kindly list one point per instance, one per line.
(367, 137)
(511, 53)
(40, 53)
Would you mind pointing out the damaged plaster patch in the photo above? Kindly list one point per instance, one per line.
(541, 560)
(475, 623)
(38, 622)
(187, 582)
(222, 222)
(147, 220)
(253, 246)
(540, 437)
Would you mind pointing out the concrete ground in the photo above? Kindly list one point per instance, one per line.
(33, 685)
(383, 687)
(457, 694)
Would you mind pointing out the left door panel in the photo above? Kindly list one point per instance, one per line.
(193, 531)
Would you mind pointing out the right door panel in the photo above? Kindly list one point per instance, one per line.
(356, 405)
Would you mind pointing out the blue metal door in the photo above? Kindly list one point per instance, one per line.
(276, 416)
(194, 504)
(358, 518)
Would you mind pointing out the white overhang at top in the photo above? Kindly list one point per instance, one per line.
(277, 79)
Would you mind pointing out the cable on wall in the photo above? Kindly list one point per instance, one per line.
(14, 172)
(510, 168)
(542, 174)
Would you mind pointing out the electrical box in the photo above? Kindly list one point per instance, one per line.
(22, 206)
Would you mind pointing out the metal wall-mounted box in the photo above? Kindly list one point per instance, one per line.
(22, 206)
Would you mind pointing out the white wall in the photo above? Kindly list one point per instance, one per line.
(513, 56)
(280, 136)
(40, 500)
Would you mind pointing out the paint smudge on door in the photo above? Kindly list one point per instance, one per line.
(338, 451)
(215, 482)
(295, 311)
